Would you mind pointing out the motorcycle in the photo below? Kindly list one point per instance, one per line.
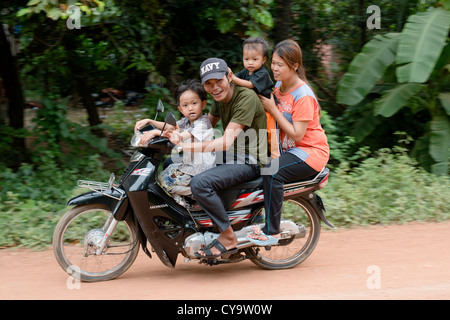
(100, 237)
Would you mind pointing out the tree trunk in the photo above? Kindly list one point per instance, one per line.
(283, 21)
(81, 79)
(13, 89)
(362, 24)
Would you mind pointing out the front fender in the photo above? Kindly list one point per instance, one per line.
(118, 207)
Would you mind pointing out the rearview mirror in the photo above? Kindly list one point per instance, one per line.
(170, 119)
(159, 108)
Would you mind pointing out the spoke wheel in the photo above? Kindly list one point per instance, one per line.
(76, 239)
(290, 252)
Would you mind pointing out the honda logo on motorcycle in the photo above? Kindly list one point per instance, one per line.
(142, 172)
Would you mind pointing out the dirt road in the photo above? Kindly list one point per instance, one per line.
(396, 262)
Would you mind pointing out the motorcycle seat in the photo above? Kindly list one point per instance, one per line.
(258, 182)
(252, 184)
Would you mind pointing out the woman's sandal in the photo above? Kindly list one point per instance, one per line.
(216, 243)
(270, 241)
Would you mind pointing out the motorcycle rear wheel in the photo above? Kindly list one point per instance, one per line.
(75, 238)
(291, 252)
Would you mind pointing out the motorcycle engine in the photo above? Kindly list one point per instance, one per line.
(197, 241)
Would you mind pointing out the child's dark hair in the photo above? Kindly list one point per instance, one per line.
(257, 44)
(193, 85)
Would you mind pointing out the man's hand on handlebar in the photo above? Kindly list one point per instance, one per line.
(147, 136)
(141, 123)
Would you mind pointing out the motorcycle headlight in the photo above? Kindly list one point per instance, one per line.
(136, 139)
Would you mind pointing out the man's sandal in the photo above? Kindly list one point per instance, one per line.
(216, 243)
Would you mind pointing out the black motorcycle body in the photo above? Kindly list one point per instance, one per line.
(151, 215)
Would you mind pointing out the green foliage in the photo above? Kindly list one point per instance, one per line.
(33, 196)
(387, 188)
(420, 57)
(27, 223)
(55, 10)
(60, 139)
(421, 44)
(340, 144)
(367, 68)
(32, 199)
(394, 99)
(8, 155)
(253, 14)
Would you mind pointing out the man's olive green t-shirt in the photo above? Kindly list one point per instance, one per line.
(246, 109)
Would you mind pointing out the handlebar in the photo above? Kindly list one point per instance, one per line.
(163, 140)
(135, 142)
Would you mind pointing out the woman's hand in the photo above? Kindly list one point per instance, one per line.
(141, 123)
(295, 130)
(269, 104)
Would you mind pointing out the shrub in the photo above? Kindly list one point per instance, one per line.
(33, 199)
(387, 188)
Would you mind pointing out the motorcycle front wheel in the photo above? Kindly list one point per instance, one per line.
(289, 253)
(77, 238)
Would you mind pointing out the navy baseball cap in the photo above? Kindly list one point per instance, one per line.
(213, 68)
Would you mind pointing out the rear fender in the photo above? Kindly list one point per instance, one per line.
(119, 208)
(317, 203)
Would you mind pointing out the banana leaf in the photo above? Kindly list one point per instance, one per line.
(440, 144)
(367, 68)
(444, 98)
(421, 44)
(395, 99)
(364, 126)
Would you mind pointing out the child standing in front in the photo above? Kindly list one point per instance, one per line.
(194, 126)
(256, 77)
